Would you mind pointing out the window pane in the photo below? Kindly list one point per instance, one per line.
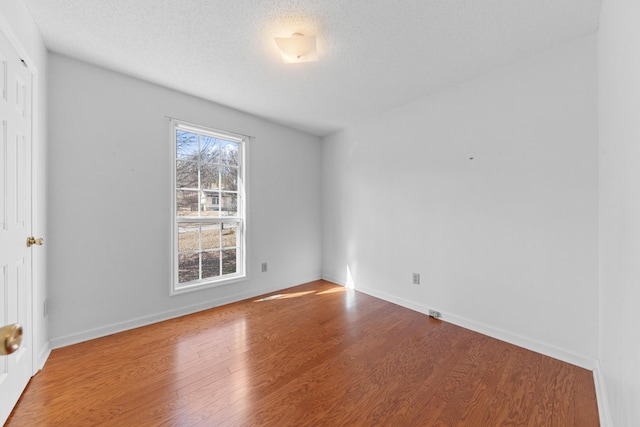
(229, 261)
(186, 145)
(188, 237)
(186, 174)
(210, 236)
(229, 153)
(209, 176)
(229, 233)
(209, 149)
(187, 203)
(188, 267)
(229, 178)
(229, 204)
(210, 264)
(211, 205)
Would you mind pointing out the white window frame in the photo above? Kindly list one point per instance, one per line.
(241, 218)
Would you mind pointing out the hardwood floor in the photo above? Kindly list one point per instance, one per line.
(318, 355)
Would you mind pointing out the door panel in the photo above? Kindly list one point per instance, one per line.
(15, 221)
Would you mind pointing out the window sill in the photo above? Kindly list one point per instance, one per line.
(202, 285)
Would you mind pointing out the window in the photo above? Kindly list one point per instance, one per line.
(209, 207)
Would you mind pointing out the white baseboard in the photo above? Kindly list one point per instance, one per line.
(43, 356)
(601, 396)
(511, 338)
(524, 342)
(333, 280)
(113, 328)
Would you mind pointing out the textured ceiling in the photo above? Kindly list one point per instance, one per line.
(374, 54)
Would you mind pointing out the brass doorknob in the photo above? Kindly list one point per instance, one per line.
(11, 336)
(33, 241)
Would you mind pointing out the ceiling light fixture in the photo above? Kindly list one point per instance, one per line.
(297, 48)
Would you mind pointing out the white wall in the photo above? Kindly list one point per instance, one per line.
(110, 219)
(17, 22)
(506, 243)
(619, 101)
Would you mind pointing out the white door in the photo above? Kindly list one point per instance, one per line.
(15, 221)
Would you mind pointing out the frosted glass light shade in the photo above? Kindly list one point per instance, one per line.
(297, 48)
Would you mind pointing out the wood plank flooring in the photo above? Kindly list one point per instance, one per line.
(318, 355)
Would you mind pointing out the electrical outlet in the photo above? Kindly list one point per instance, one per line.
(416, 278)
(264, 267)
(435, 314)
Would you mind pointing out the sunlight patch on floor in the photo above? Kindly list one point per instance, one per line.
(284, 296)
(332, 291)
